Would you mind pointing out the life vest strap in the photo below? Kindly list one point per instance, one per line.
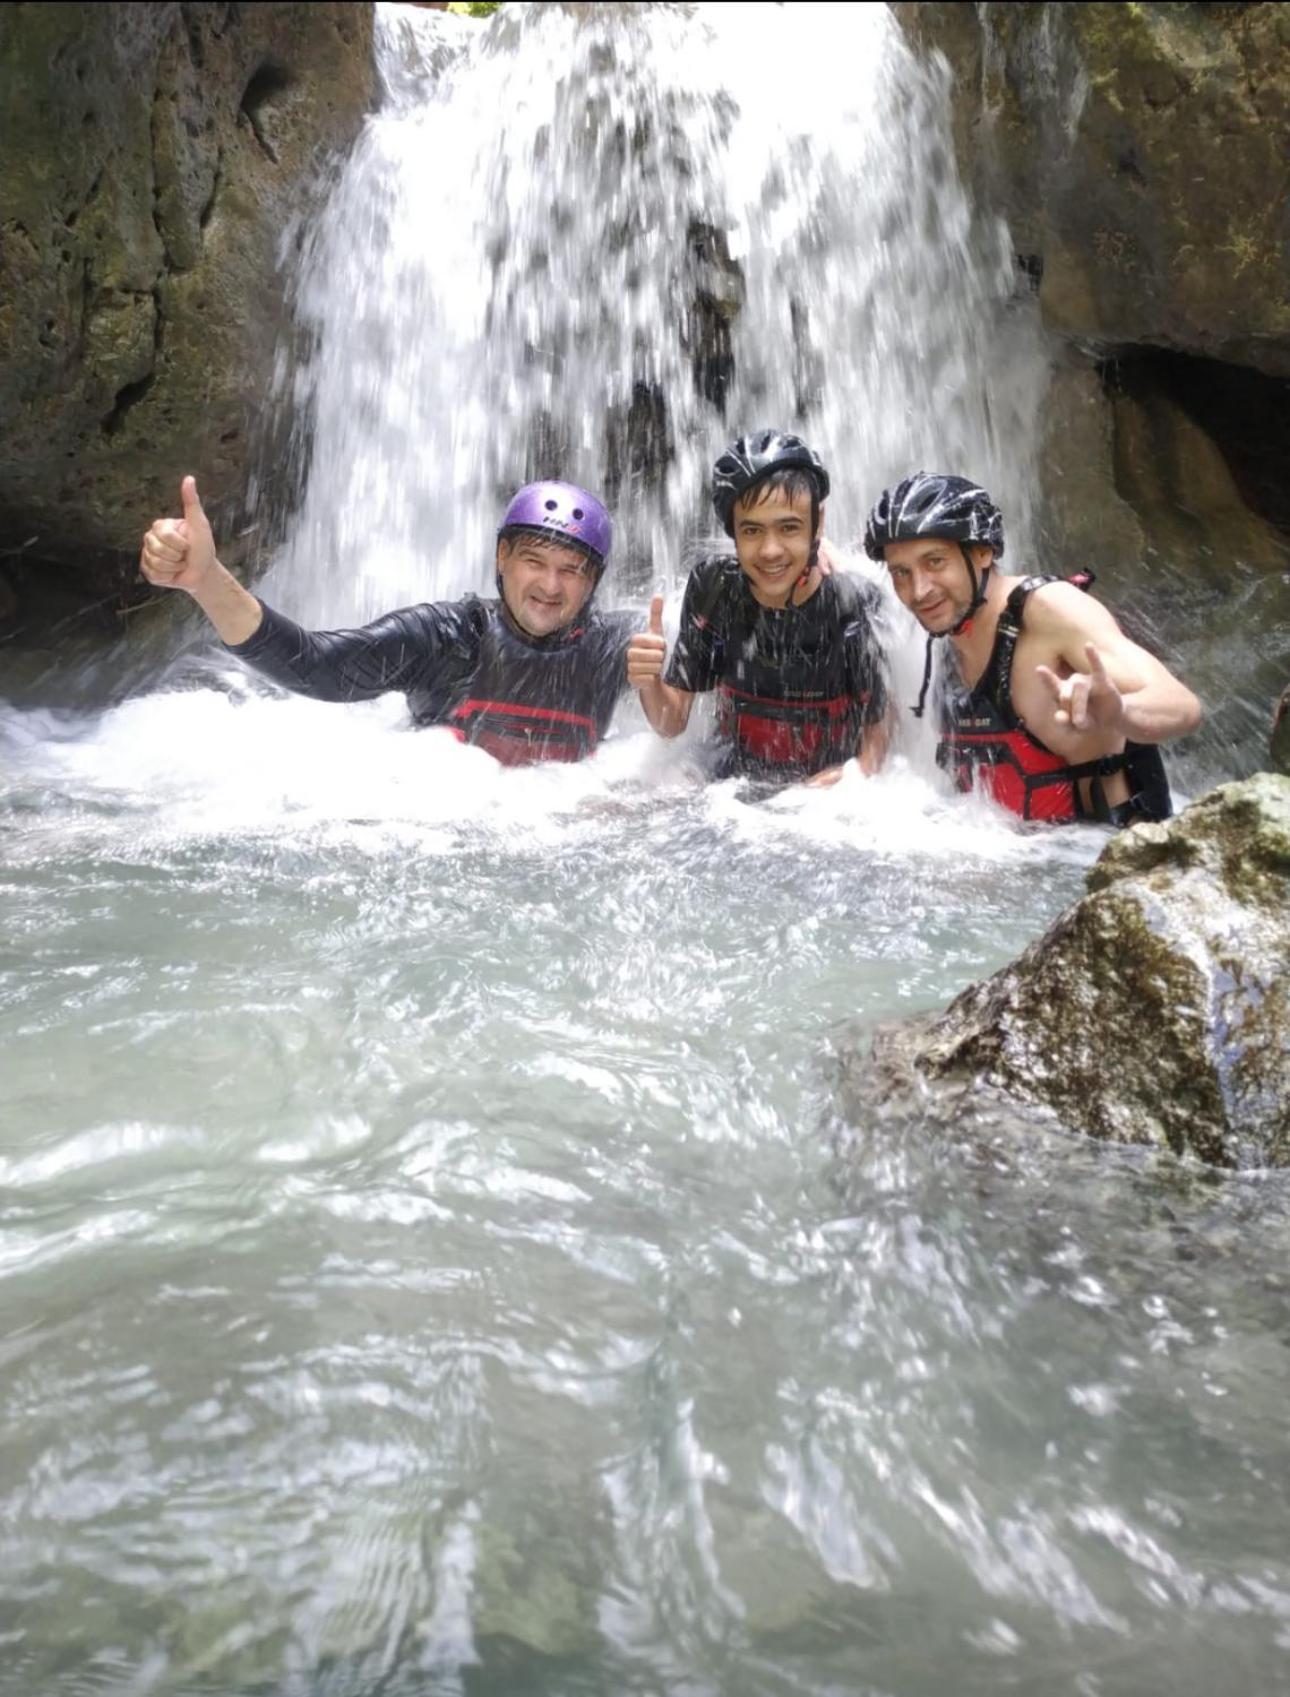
(800, 711)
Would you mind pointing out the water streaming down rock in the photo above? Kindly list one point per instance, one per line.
(420, 1262)
(595, 241)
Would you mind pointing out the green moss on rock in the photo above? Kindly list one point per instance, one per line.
(1154, 1011)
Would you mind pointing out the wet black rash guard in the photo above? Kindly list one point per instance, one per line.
(795, 686)
(464, 665)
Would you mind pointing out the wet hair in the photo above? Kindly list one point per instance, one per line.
(789, 481)
(546, 542)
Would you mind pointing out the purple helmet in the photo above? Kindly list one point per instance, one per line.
(564, 513)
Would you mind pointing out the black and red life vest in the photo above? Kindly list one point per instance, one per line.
(985, 743)
(526, 701)
(795, 686)
(518, 735)
(800, 733)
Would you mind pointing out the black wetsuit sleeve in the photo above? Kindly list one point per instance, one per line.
(866, 660)
(695, 665)
(394, 652)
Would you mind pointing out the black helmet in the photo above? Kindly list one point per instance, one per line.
(750, 458)
(933, 504)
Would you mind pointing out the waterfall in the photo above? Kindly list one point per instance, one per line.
(596, 242)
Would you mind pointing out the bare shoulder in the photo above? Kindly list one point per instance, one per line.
(1061, 607)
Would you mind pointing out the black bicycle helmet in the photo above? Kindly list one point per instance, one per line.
(751, 458)
(934, 504)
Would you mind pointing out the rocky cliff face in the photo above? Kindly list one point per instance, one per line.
(152, 161)
(1155, 1011)
(1141, 157)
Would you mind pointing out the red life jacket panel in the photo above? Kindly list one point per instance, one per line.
(801, 734)
(984, 742)
(519, 735)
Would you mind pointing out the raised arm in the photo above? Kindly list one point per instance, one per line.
(180, 554)
(666, 707)
(336, 665)
(1115, 686)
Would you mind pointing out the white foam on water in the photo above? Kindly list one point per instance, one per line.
(201, 764)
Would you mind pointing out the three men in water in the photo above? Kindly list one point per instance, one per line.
(1056, 714)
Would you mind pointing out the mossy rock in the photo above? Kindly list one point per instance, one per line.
(151, 159)
(1154, 1011)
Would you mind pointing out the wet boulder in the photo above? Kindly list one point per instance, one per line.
(153, 162)
(1139, 155)
(1155, 1011)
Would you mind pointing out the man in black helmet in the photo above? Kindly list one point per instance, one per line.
(1054, 712)
(788, 646)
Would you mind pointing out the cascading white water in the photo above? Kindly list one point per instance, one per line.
(549, 225)
(426, 1264)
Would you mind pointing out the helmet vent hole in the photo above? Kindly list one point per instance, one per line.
(577, 512)
(550, 506)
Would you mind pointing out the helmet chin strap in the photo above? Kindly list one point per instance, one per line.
(979, 586)
(978, 593)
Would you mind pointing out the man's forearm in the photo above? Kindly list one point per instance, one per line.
(1156, 714)
(234, 611)
(666, 708)
(875, 740)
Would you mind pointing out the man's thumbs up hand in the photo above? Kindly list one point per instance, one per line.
(648, 649)
(180, 553)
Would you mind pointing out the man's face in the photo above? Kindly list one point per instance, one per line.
(544, 584)
(773, 538)
(930, 576)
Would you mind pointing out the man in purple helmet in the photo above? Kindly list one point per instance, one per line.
(533, 675)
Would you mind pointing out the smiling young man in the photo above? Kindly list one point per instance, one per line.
(788, 647)
(532, 675)
(1055, 713)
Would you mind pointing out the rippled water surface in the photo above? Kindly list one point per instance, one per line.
(431, 1261)
(431, 1256)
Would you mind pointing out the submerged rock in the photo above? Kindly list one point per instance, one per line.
(1155, 1011)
